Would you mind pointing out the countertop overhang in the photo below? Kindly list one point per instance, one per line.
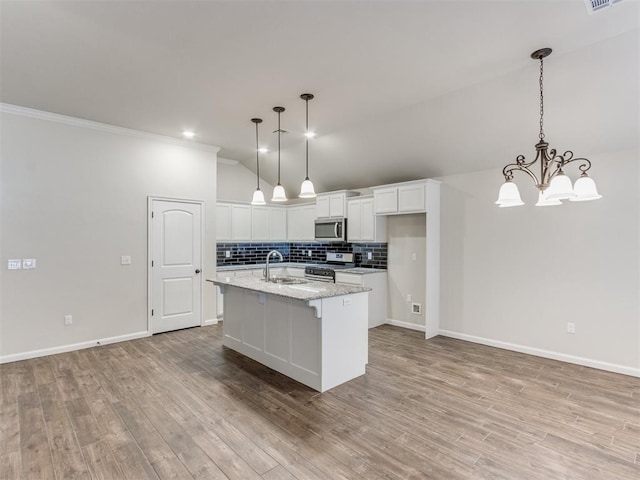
(306, 291)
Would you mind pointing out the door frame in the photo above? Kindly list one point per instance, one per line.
(150, 200)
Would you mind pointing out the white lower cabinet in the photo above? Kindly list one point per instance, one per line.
(377, 282)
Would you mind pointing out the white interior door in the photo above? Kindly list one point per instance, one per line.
(176, 279)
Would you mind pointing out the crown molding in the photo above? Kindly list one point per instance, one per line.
(80, 122)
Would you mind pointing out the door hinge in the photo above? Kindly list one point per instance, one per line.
(152, 312)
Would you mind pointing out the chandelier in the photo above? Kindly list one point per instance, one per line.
(553, 184)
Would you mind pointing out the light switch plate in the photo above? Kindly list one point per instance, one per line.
(28, 263)
(369, 256)
(125, 260)
(14, 264)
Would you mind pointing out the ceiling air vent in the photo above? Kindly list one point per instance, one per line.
(597, 5)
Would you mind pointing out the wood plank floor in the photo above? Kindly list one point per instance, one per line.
(179, 405)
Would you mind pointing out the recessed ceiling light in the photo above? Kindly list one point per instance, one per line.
(188, 134)
(310, 134)
(263, 150)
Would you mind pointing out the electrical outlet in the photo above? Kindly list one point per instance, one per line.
(14, 264)
(416, 308)
(68, 319)
(369, 255)
(414, 256)
(571, 327)
(309, 253)
(408, 297)
(125, 260)
(28, 263)
(227, 254)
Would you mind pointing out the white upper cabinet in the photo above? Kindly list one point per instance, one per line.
(300, 223)
(268, 223)
(223, 222)
(362, 223)
(260, 223)
(408, 197)
(333, 204)
(278, 224)
(240, 222)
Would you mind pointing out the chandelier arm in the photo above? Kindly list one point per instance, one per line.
(508, 170)
(586, 165)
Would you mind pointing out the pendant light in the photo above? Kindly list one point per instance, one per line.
(279, 194)
(258, 196)
(553, 184)
(306, 189)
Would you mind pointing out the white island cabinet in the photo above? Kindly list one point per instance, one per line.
(315, 333)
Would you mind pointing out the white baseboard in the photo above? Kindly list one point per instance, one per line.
(538, 352)
(212, 321)
(410, 326)
(69, 348)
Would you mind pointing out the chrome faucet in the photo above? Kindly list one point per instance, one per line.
(266, 268)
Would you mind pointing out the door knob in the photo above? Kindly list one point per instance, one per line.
(197, 270)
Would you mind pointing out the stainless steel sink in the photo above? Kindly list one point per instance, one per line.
(287, 280)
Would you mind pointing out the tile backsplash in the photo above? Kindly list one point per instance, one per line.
(249, 253)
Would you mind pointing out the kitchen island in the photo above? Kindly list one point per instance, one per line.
(313, 332)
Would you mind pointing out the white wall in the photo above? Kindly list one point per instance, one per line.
(236, 183)
(406, 236)
(514, 277)
(75, 198)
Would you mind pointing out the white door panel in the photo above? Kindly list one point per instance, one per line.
(176, 245)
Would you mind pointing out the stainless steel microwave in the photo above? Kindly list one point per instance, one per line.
(331, 229)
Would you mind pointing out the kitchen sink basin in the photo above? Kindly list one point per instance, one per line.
(287, 280)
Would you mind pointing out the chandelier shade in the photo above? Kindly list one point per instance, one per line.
(509, 195)
(585, 190)
(552, 183)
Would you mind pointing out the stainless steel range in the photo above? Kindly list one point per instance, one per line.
(326, 272)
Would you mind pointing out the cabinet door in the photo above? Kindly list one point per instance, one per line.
(368, 220)
(411, 198)
(223, 222)
(322, 207)
(307, 221)
(260, 223)
(354, 220)
(386, 200)
(336, 205)
(240, 222)
(278, 224)
(294, 223)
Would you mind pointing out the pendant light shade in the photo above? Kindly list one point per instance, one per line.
(306, 189)
(258, 196)
(509, 195)
(279, 194)
(585, 189)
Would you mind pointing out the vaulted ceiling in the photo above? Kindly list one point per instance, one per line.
(404, 89)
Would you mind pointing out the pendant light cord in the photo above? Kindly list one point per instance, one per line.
(541, 135)
(257, 158)
(279, 133)
(306, 101)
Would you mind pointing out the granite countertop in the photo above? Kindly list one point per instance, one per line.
(307, 290)
(362, 270)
